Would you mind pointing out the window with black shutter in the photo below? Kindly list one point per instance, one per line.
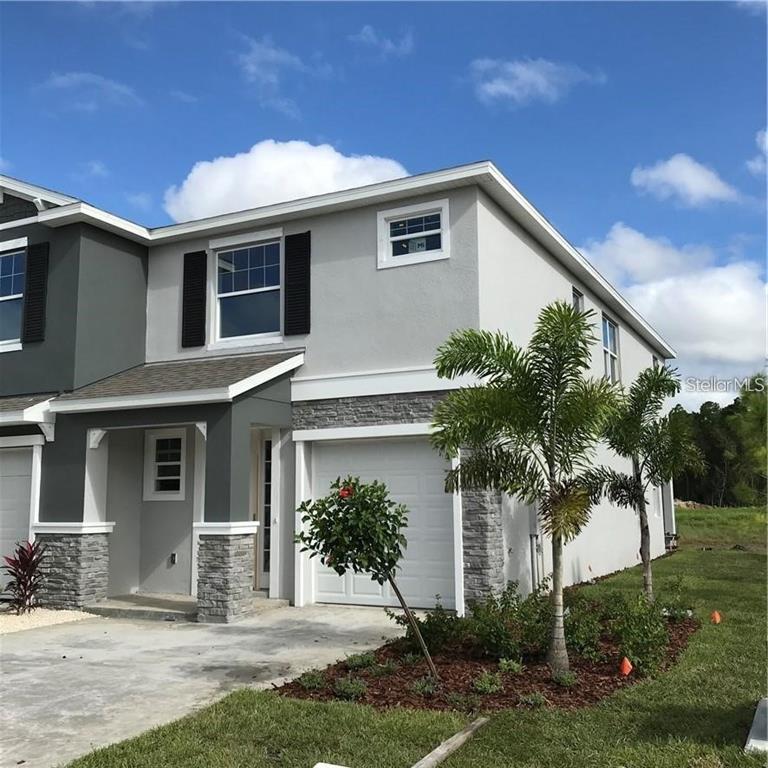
(35, 287)
(296, 308)
(193, 299)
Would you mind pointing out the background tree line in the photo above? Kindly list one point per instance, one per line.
(732, 440)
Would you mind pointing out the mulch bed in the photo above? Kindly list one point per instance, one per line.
(457, 671)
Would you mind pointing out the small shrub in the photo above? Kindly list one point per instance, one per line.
(488, 682)
(463, 702)
(26, 577)
(534, 700)
(536, 620)
(511, 666)
(673, 600)
(411, 658)
(438, 627)
(349, 688)
(642, 635)
(384, 669)
(583, 628)
(424, 686)
(565, 679)
(360, 661)
(312, 680)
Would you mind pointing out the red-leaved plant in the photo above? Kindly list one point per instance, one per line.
(26, 578)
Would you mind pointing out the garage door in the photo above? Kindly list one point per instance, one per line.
(15, 483)
(415, 475)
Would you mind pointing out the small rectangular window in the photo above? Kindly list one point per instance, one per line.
(248, 290)
(577, 300)
(12, 275)
(164, 465)
(611, 350)
(413, 234)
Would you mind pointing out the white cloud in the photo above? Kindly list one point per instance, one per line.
(183, 96)
(266, 66)
(271, 172)
(87, 91)
(140, 200)
(683, 179)
(92, 169)
(757, 165)
(368, 36)
(755, 7)
(713, 315)
(627, 256)
(526, 80)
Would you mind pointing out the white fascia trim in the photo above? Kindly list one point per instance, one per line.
(419, 429)
(188, 397)
(245, 237)
(233, 528)
(21, 441)
(73, 528)
(567, 254)
(382, 382)
(13, 245)
(75, 212)
(35, 414)
(32, 192)
(16, 223)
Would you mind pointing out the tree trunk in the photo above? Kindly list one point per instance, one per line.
(645, 535)
(557, 657)
(415, 627)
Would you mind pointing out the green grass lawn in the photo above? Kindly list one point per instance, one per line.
(696, 715)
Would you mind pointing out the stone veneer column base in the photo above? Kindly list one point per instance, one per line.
(75, 569)
(225, 571)
(483, 539)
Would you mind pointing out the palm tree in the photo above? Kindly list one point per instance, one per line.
(659, 447)
(529, 428)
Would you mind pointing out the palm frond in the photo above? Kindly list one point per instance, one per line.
(486, 354)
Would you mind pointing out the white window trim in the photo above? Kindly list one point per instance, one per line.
(227, 244)
(151, 436)
(577, 299)
(384, 258)
(616, 354)
(11, 248)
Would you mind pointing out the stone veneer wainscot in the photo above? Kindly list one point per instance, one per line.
(225, 572)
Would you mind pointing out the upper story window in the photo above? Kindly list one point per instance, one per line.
(413, 234)
(248, 290)
(164, 465)
(611, 350)
(577, 299)
(12, 273)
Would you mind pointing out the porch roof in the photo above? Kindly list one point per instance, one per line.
(180, 382)
(24, 409)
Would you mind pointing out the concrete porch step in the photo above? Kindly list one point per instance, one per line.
(151, 607)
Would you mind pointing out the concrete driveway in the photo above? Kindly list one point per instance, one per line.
(68, 689)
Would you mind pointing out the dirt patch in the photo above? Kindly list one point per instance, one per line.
(458, 672)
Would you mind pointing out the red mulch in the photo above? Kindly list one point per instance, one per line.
(457, 672)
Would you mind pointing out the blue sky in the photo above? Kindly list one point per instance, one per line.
(632, 126)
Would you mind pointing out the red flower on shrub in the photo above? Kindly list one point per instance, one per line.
(345, 492)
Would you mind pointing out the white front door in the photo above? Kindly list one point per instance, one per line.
(415, 476)
(15, 491)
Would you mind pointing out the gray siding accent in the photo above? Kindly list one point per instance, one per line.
(75, 568)
(13, 208)
(483, 535)
(409, 408)
(225, 570)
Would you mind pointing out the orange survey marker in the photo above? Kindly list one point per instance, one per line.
(625, 667)
(715, 617)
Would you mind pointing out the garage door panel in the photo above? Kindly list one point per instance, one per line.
(15, 484)
(415, 476)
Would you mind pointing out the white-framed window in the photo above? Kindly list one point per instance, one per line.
(413, 234)
(13, 269)
(577, 299)
(611, 350)
(248, 291)
(165, 460)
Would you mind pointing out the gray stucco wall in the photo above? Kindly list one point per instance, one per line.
(13, 208)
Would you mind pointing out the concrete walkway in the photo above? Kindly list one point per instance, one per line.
(68, 689)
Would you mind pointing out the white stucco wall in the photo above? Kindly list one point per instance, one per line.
(517, 278)
(363, 318)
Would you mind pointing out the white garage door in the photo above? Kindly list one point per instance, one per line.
(414, 475)
(15, 483)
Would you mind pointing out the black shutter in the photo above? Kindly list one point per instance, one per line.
(193, 299)
(35, 292)
(296, 307)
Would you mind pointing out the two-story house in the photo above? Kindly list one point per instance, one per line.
(170, 395)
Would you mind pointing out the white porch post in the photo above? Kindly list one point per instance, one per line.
(198, 501)
(458, 548)
(304, 591)
(96, 467)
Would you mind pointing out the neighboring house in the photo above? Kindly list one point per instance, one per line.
(170, 395)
